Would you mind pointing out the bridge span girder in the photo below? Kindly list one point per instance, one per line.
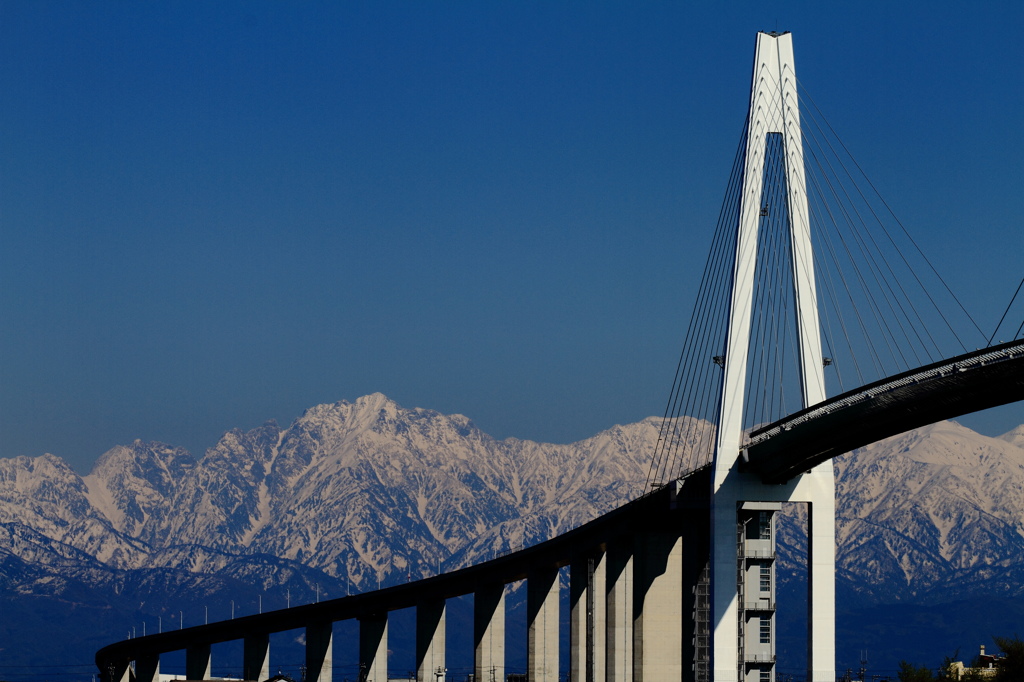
(943, 390)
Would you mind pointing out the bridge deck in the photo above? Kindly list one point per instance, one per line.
(666, 507)
(967, 383)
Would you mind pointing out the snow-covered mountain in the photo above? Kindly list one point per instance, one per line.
(355, 493)
(357, 490)
(933, 515)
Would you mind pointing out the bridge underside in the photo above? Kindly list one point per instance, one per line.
(944, 390)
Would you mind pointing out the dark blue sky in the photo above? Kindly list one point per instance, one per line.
(213, 214)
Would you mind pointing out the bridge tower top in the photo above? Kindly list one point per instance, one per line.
(774, 110)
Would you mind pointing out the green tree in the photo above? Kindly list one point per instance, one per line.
(909, 672)
(1011, 668)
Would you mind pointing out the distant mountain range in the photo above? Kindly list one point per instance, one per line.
(355, 493)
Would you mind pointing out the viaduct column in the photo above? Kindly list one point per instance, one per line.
(197, 662)
(256, 655)
(619, 615)
(542, 625)
(489, 633)
(147, 668)
(430, 639)
(587, 617)
(658, 606)
(373, 647)
(319, 652)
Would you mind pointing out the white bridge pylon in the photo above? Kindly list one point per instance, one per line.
(743, 637)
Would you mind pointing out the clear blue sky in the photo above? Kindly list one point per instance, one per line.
(213, 214)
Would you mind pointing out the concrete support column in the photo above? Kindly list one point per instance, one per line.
(821, 587)
(587, 618)
(373, 647)
(256, 657)
(658, 606)
(430, 639)
(619, 642)
(319, 651)
(489, 633)
(197, 662)
(542, 625)
(118, 672)
(726, 648)
(147, 668)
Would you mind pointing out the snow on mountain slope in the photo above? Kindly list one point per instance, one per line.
(368, 490)
(1016, 436)
(363, 490)
(131, 485)
(376, 488)
(43, 493)
(919, 512)
(223, 500)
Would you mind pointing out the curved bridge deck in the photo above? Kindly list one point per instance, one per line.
(646, 535)
(637, 531)
(943, 390)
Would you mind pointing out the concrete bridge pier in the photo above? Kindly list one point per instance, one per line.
(147, 668)
(197, 661)
(542, 592)
(373, 647)
(658, 606)
(489, 632)
(255, 657)
(119, 672)
(587, 617)
(619, 615)
(430, 639)
(319, 651)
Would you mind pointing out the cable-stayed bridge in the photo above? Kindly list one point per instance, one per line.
(680, 583)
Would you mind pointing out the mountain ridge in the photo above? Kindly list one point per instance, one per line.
(355, 494)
